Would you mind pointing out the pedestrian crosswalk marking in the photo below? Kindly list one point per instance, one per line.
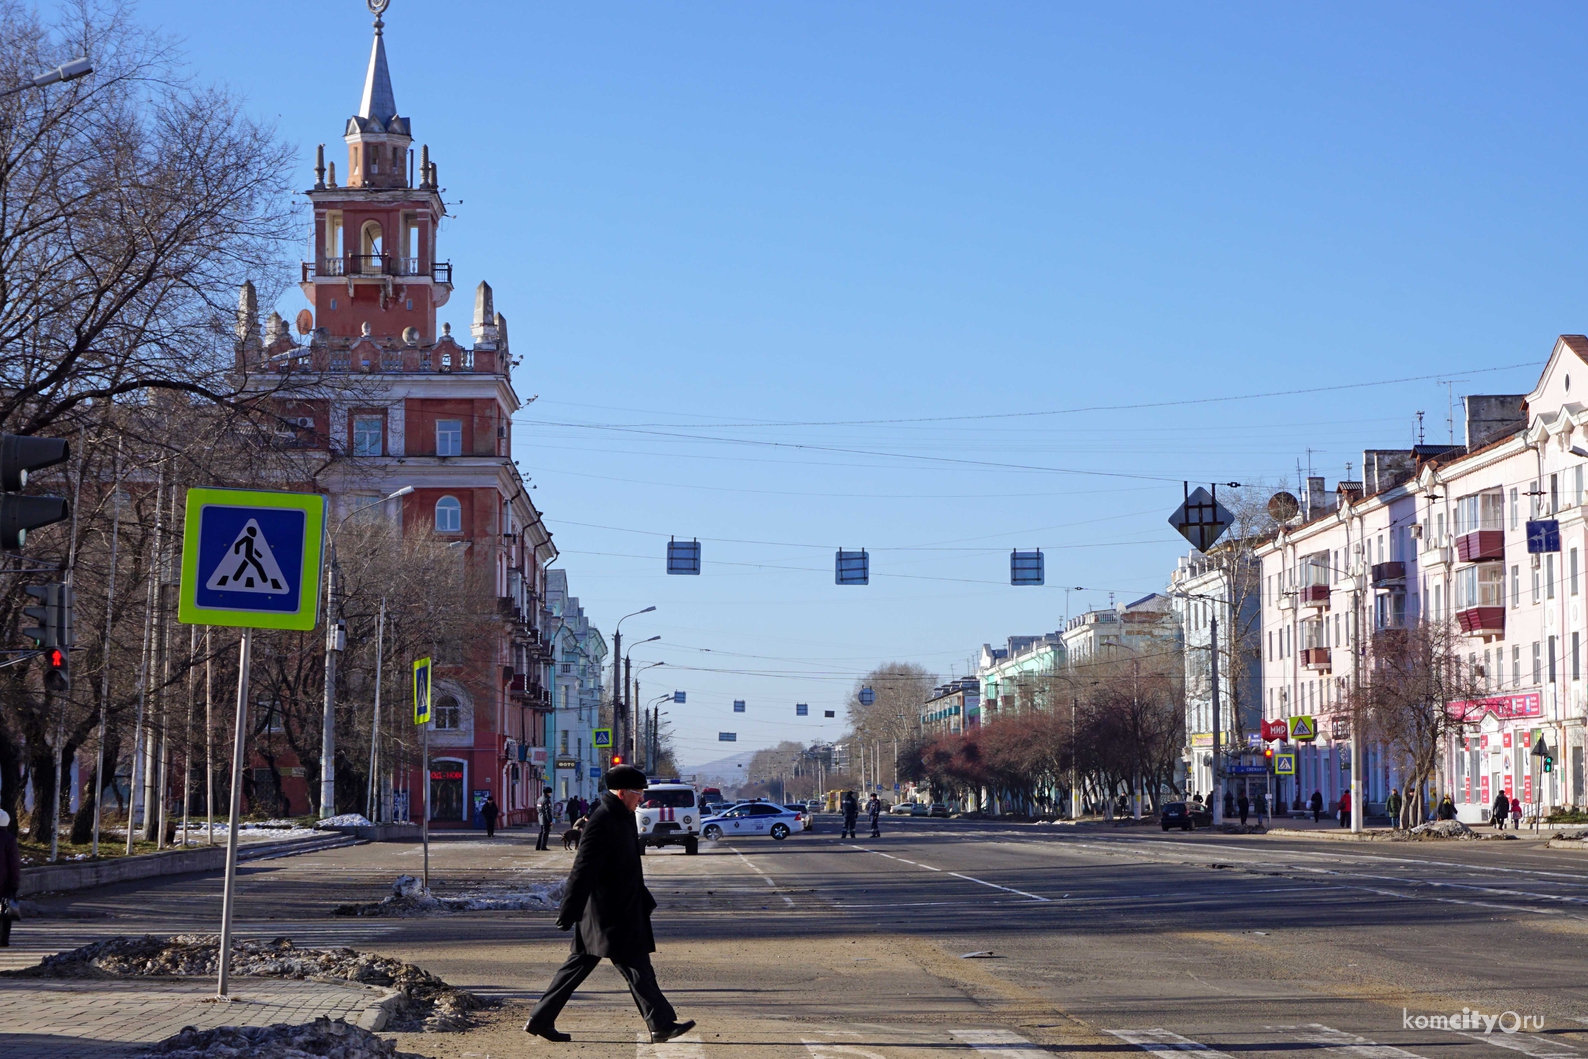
(829, 1050)
(1527, 1043)
(957, 875)
(249, 565)
(1163, 1041)
(688, 1046)
(1000, 1042)
(1319, 1035)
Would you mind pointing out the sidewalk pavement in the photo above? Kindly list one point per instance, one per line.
(103, 1018)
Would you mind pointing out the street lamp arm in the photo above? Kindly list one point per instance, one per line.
(65, 72)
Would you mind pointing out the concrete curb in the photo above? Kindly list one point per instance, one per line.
(80, 875)
(375, 1017)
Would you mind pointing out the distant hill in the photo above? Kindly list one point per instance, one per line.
(723, 772)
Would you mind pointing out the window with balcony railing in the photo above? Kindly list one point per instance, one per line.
(1313, 570)
(1480, 511)
(1480, 586)
(1389, 611)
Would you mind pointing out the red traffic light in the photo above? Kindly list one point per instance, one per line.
(56, 677)
(1268, 752)
(617, 759)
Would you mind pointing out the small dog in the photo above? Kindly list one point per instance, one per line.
(570, 837)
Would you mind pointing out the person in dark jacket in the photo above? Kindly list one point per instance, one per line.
(1229, 804)
(1244, 804)
(543, 813)
(1447, 808)
(851, 810)
(573, 811)
(1316, 804)
(1501, 810)
(1345, 809)
(874, 809)
(10, 875)
(608, 908)
(489, 812)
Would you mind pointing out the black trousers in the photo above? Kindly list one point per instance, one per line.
(636, 971)
(544, 841)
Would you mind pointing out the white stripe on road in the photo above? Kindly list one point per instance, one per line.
(1526, 1043)
(829, 1050)
(767, 878)
(957, 875)
(1319, 1035)
(1000, 1042)
(1165, 1042)
(688, 1046)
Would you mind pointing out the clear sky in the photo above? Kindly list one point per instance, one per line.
(777, 270)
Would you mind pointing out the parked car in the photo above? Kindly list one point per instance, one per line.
(1185, 815)
(751, 818)
(938, 809)
(813, 806)
(903, 808)
(803, 813)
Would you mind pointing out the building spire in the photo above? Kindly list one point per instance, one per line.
(379, 102)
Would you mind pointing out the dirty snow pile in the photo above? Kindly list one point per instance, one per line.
(1238, 828)
(427, 1003)
(320, 1039)
(410, 898)
(1444, 829)
(344, 820)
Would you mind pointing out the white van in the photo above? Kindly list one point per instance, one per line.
(669, 814)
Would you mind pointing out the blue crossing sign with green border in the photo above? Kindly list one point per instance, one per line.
(252, 559)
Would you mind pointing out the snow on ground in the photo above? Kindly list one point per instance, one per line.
(410, 898)
(345, 820)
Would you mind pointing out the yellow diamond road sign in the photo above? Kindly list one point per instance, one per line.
(1303, 729)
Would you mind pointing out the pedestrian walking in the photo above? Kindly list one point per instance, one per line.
(584, 807)
(1516, 814)
(489, 812)
(608, 908)
(874, 808)
(1345, 809)
(1229, 803)
(1262, 805)
(1500, 810)
(851, 810)
(544, 814)
(1316, 803)
(10, 876)
(573, 811)
(1447, 808)
(1392, 806)
(1244, 804)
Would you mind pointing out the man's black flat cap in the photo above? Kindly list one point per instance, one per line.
(625, 778)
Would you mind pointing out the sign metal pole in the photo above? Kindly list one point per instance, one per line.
(224, 956)
(424, 821)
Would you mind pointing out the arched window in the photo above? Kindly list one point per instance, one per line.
(369, 246)
(449, 715)
(449, 515)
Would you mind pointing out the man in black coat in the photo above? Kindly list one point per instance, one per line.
(543, 811)
(608, 907)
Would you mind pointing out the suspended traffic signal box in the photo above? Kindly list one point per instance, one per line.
(18, 514)
(44, 614)
(56, 677)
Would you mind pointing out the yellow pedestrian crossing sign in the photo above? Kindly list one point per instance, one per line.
(422, 688)
(1303, 729)
(1284, 764)
(601, 738)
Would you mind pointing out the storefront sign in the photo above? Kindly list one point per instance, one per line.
(567, 763)
(1483, 788)
(1506, 737)
(1505, 707)
(439, 774)
(1202, 739)
(1527, 789)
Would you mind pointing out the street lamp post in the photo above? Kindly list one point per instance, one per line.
(632, 697)
(617, 675)
(335, 641)
(65, 72)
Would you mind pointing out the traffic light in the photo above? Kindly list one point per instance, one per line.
(18, 514)
(1549, 763)
(56, 678)
(47, 614)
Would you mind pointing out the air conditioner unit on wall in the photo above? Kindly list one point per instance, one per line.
(1416, 530)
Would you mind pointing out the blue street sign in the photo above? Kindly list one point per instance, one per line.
(595, 772)
(251, 559)
(727, 737)
(1246, 770)
(678, 696)
(738, 705)
(801, 709)
(1025, 568)
(1543, 535)
(683, 557)
(852, 568)
(867, 696)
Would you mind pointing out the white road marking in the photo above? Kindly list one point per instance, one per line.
(1350, 1043)
(1000, 1042)
(688, 1046)
(1527, 1044)
(767, 878)
(1167, 1043)
(957, 875)
(829, 1050)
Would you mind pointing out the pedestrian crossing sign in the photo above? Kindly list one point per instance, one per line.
(601, 738)
(422, 691)
(251, 559)
(1303, 728)
(1284, 764)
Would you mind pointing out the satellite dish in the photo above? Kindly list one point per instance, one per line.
(305, 321)
(1283, 506)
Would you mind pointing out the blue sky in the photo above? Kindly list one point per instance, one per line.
(714, 227)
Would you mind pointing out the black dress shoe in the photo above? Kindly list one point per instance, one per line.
(551, 1033)
(677, 1029)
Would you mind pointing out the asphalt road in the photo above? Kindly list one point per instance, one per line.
(1094, 942)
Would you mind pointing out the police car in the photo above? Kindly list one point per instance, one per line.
(669, 814)
(752, 818)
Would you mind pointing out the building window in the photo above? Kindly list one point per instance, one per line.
(1538, 664)
(1516, 665)
(1573, 570)
(1535, 586)
(449, 515)
(1514, 512)
(449, 437)
(367, 435)
(449, 715)
(1552, 677)
(1516, 587)
(1576, 656)
(1549, 575)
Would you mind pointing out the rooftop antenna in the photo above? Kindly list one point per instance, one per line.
(1419, 428)
(1348, 470)
(1450, 409)
(1309, 463)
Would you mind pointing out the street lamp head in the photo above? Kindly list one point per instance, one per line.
(647, 610)
(404, 491)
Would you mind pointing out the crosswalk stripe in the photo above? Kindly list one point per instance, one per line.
(1527, 1044)
(1318, 1034)
(1000, 1042)
(1163, 1041)
(829, 1050)
(689, 1046)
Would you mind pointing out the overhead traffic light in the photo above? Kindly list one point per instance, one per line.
(46, 614)
(18, 514)
(56, 677)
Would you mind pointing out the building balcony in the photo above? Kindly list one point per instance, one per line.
(1313, 595)
(374, 266)
(1388, 574)
(1480, 546)
(1482, 621)
(1315, 657)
